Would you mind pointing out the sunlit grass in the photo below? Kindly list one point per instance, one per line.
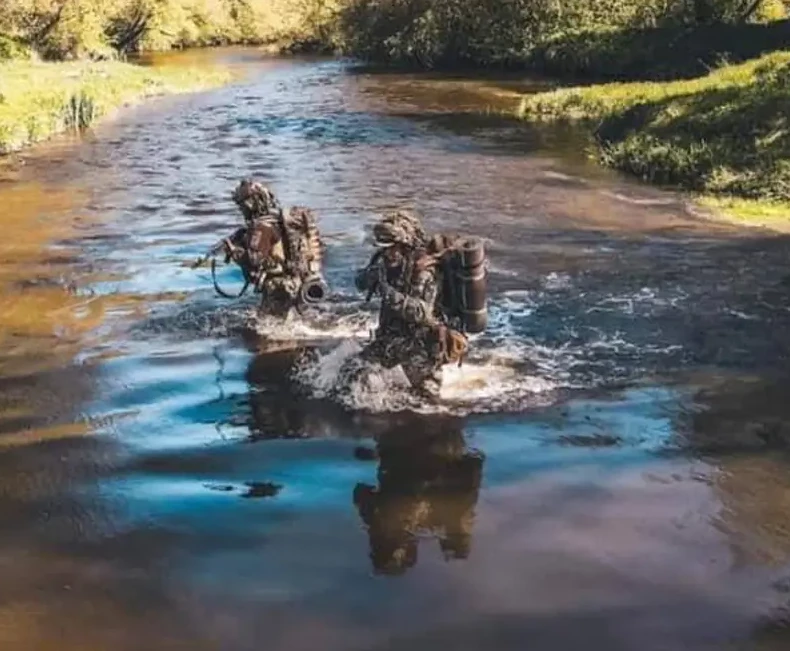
(38, 100)
(601, 101)
(750, 212)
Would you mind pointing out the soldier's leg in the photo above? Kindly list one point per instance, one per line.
(279, 295)
(424, 375)
(268, 288)
(422, 363)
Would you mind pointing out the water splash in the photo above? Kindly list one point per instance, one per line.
(314, 325)
(491, 381)
(322, 323)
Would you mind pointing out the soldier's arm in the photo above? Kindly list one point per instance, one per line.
(235, 244)
(226, 245)
(418, 307)
(237, 239)
(366, 278)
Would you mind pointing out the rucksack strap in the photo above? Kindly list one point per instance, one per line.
(219, 289)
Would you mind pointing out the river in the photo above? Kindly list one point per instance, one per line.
(608, 470)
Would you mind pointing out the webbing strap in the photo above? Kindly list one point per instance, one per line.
(219, 289)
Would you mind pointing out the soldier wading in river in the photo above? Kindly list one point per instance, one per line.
(279, 254)
(424, 309)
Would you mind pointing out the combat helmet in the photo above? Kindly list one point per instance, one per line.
(254, 199)
(400, 227)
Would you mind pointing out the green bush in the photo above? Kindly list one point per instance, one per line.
(12, 49)
(770, 11)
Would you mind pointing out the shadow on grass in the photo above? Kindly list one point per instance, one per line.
(723, 140)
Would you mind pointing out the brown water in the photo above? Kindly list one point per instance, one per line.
(609, 470)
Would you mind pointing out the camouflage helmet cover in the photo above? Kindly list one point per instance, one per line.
(254, 198)
(399, 227)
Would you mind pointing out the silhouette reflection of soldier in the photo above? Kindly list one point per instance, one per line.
(277, 407)
(428, 477)
(274, 406)
(428, 482)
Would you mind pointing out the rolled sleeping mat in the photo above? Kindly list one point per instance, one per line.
(472, 284)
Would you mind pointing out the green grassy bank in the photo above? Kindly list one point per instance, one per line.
(39, 100)
(61, 61)
(725, 135)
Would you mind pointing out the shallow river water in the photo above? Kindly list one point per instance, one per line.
(609, 469)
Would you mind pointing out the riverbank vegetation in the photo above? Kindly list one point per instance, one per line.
(40, 99)
(62, 61)
(659, 53)
(566, 36)
(726, 133)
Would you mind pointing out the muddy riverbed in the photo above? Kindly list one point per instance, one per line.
(609, 469)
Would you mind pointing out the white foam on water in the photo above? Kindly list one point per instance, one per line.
(491, 381)
(560, 176)
(509, 368)
(502, 372)
(320, 374)
(313, 325)
(643, 300)
(556, 280)
(493, 384)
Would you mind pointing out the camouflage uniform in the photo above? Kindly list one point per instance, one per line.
(410, 330)
(259, 249)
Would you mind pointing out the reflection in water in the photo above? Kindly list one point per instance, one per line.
(428, 477)
(275, 413)
(44, 321)
(253, 489)
(261, 489)
(276, 406)
(740, 415)
(428, 484)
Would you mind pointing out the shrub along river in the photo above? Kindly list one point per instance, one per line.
(609, 469)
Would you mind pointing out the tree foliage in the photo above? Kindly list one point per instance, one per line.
(440, 32)
(429, 32)
(61, 29)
